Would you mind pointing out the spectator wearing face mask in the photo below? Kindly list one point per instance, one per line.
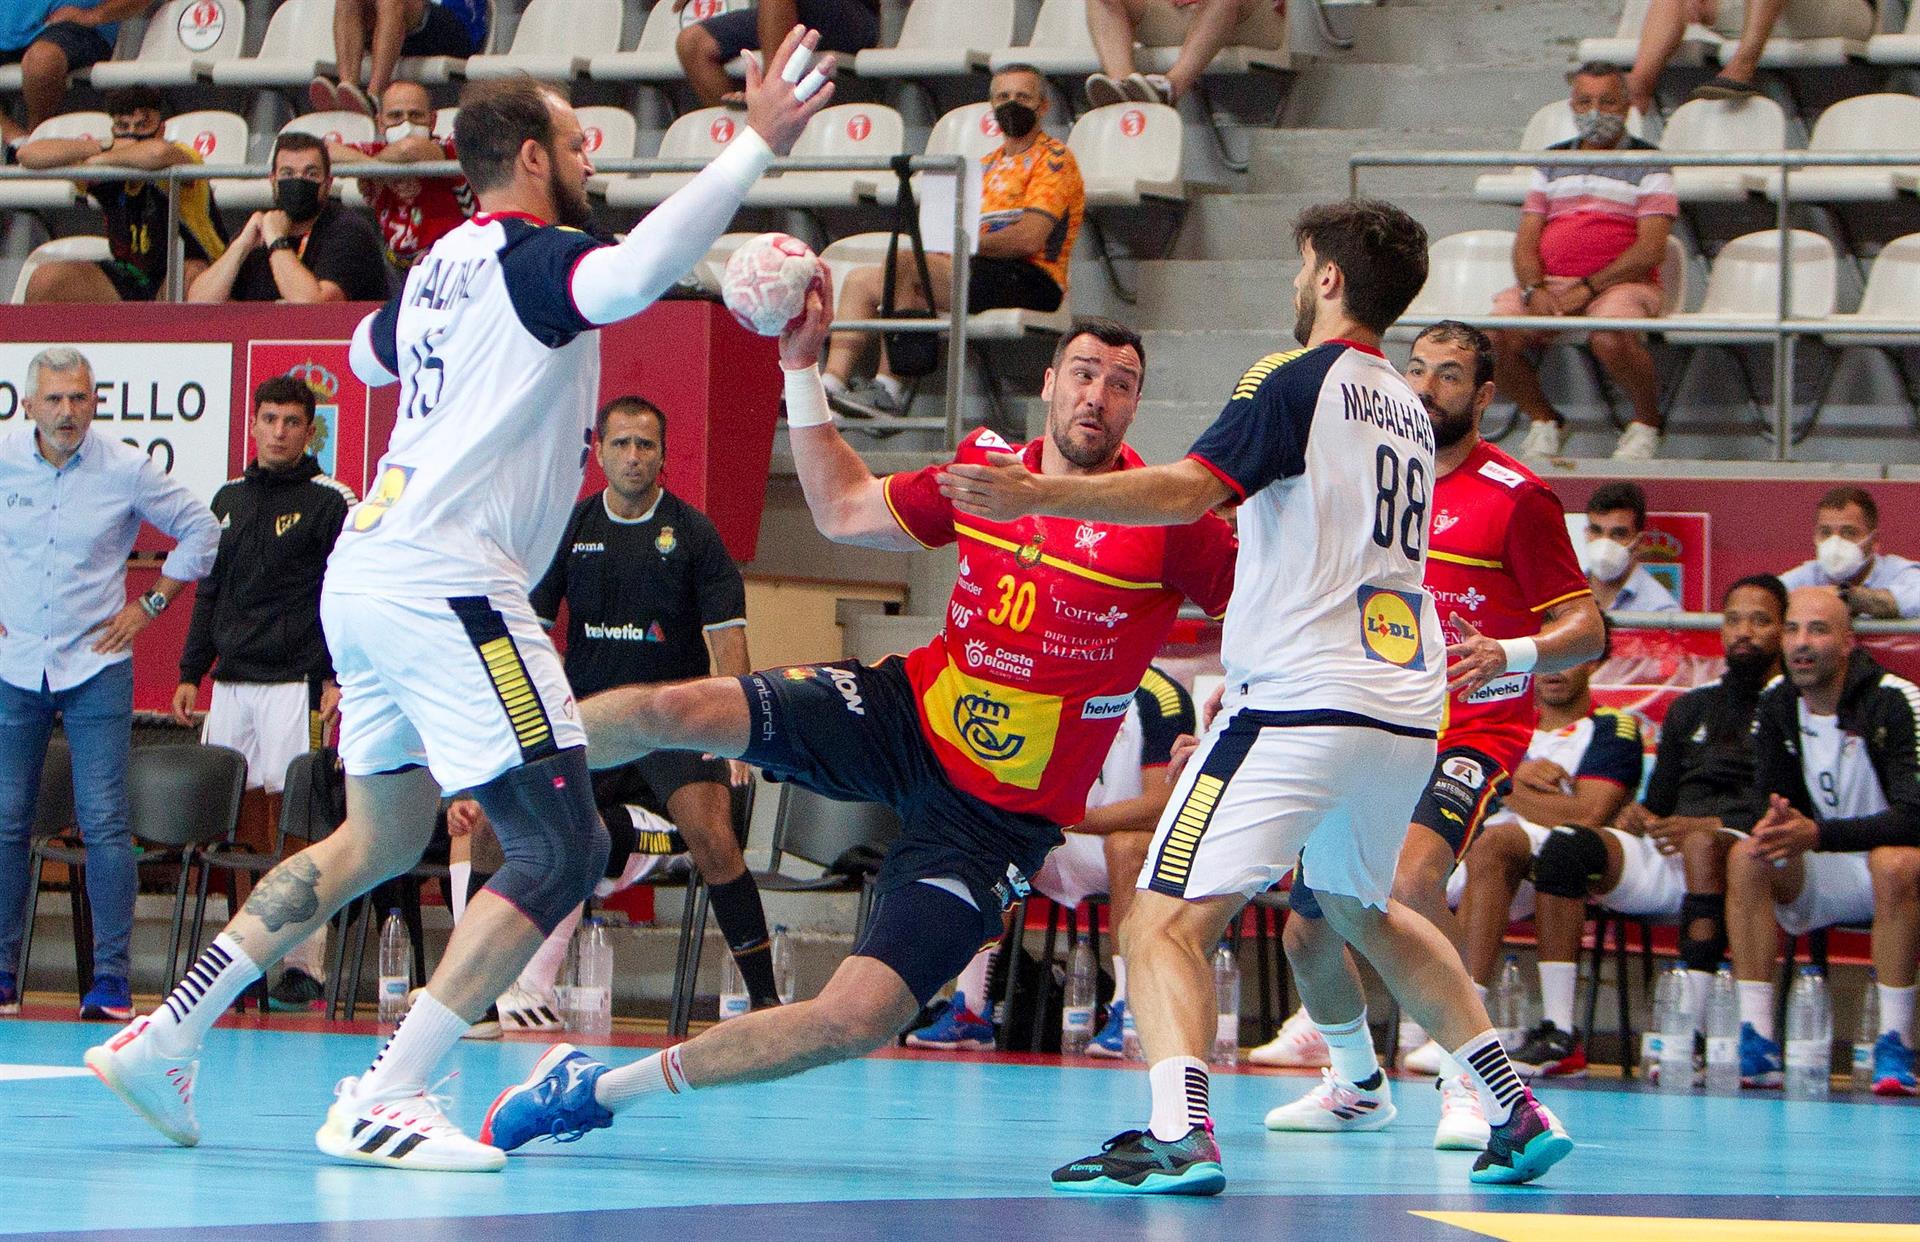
(1590, 243)
(1616, 522)
(306, 249)
(411, 212)
(1847, 558)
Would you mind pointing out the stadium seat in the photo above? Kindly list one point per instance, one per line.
(55, 192)
(856, 130)
(1892, 295)
(1788, 50)
(654, 58)
(1898, 49)
(60, 249)
(942, 38)
(218, 137)
(554, 40)
(707, 272)
(1551, 123)
(1061, 47)
(968, 130)
(255, 194)
(611, 133)
(1676, 286)
(698, 135)
(1707, 125)
(1129, 153)
(1744, 284)
(1059, 44)
(443, 122)
(1621, 47)
(870, 250)
(298, 45)
(1464, 272)
(1887, 122)
(182, 44)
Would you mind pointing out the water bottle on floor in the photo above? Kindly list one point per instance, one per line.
(1671, 1060)
(1076, 1015)
(734, 1000)
(1226, 987)
(396, 970)
(1509, 1005)
(1809, 1037)
(1867, 1036)
(782, 951)
(1723, 1033)
(593, 990)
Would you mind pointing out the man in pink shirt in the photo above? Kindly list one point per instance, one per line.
(1591, 241)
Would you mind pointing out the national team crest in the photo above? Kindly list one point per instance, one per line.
(665, 543)
(1029, 556)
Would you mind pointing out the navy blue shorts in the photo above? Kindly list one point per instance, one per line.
(84, 46)
(441, 33)
(844, 26)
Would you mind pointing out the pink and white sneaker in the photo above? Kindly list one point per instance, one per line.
(1297, 1045)
(1337, 1105)
(157, 1086)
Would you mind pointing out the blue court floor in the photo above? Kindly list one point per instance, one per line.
(909, 1146)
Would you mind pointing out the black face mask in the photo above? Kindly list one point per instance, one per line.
(1015, 119)
(298, 197)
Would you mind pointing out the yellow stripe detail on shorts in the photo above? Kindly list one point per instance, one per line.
(524, 710)
(1183, 839)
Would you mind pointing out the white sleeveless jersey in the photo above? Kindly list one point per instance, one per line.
(498, 376)
(1331, 454)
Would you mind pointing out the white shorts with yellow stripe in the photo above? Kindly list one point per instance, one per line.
(469, 687)
(1330, 789)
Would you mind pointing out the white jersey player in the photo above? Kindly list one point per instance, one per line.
(1335, 678)
(447, 679)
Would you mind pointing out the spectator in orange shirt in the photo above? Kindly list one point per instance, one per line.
(1031, 204)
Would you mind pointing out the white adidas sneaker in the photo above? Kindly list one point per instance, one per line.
(1423, 1057)
(153, 1084)
(1336, 1105)
(401, 1131)
(523, 1009)
(1298, 1044)
(1463, 1126)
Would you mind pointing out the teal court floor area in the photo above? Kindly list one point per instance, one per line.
(909, 1146)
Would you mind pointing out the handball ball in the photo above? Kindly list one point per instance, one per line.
(766, 282)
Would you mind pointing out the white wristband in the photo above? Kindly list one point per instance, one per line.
(806, 399)
(1522, 653)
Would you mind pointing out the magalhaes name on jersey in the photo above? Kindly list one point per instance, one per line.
(1369, 405)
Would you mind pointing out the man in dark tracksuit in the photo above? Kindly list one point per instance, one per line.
(256, 625)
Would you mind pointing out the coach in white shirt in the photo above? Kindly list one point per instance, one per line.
(71, 502)
(1616, 521)
(1847, 557)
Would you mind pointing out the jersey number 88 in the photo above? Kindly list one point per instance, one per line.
(1412, 524)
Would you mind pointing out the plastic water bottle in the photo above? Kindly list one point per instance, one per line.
(734, 1000)
(1510, 1004)
(1672, 1064)
(1868, 1035)
(782, 951)
(593, 985)
(1076, 1016)
(396, 970)
(1809, 1037)
(1226, 987)
(1723, 1033)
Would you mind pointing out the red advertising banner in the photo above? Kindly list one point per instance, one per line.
(343, 406)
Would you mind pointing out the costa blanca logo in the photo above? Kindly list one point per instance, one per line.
(1086, 538)
(849, 687)
(201, 25)
(998, 659)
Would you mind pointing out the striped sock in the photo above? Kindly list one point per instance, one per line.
(620, 1087)
(1492, 1076)
(1179, 1097)
(222, 972)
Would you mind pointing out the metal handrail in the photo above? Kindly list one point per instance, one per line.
(1784, 329)
(1711, 621)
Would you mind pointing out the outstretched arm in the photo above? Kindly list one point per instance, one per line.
(1005, 489)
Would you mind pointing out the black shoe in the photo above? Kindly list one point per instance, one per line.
(1549, 1052)
(1521, 1148)
(1730, 90)
(1134, 1162)
(297, 991)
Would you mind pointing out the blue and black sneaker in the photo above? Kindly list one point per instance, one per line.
(1760, 1064)
(956, 1029)
(556, 1101)
(1521, 1148)
(109, 999)
(1134, 1162)
(1111, 1042)
(1893, 1066)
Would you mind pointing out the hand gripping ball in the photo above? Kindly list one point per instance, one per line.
(766, 282)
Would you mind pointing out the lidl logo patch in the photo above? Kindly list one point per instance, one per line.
(1390, 627)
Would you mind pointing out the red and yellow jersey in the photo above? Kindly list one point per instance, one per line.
(1498, 555)
(1049, 631)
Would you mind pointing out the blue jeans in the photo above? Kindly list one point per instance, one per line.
(98, 717)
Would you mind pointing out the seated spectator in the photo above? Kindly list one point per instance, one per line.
(308, 248)
(1847, 558)
(706, 48)
(1616, 522)
(413, 212)
(1835, 817)
(1591, 241)
(1667, 21)
(136, 211)
(52, 39)
(1031, 205)
(1116, 24)
(384, 31)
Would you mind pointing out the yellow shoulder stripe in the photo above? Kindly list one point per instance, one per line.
(1475, 561)
(1258, 372)
(1079, 571)
(1163, 690)
(1625, 724)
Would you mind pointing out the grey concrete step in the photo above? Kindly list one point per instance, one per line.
(1470, 94)
(1447, 32)
(1260, 226)
(1314, 160)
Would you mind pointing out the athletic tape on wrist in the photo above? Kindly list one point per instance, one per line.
(1522, 653)
(806, 399)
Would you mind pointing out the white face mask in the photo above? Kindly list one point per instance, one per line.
(406, 130)
(1608, 561)
(1839, 558)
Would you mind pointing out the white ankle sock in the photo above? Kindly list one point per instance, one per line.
(972, 982)
(1119, 978)
(1179, 1097)
(1756, 1006)
(652, 1075)
(426, 1035)
(1492, 1076)
(1350, 1047)
(1896, 1010)
(544, 967)
(222, 972)
(1557, 980)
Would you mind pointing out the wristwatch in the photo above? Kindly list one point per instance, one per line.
(285, 243)
(154, 603)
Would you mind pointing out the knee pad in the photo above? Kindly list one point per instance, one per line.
(1569, 862)
(1703, 954)
(550, 833)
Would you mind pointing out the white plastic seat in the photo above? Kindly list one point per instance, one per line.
(697, 135)
(1129, 152)
(1624, 44)
(1060, 45)
(611, 133)
(707, 272)
(1898, 49)
(942, 38)
(1676, 286)
(1550, 123)
(554, 41)
(297, 46)
(653, 59)
(968, 130)
(1464, 272)
(334, 126)
(1744, 284)
(1707, 125)
(1887, 122)
(870, 250)
(60, 250)
(1791, 48)
(849, 130)
(217, 137)
(55, 192)
(1892, 295)
(182, 44)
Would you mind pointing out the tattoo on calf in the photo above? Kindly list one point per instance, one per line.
(288, 896)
